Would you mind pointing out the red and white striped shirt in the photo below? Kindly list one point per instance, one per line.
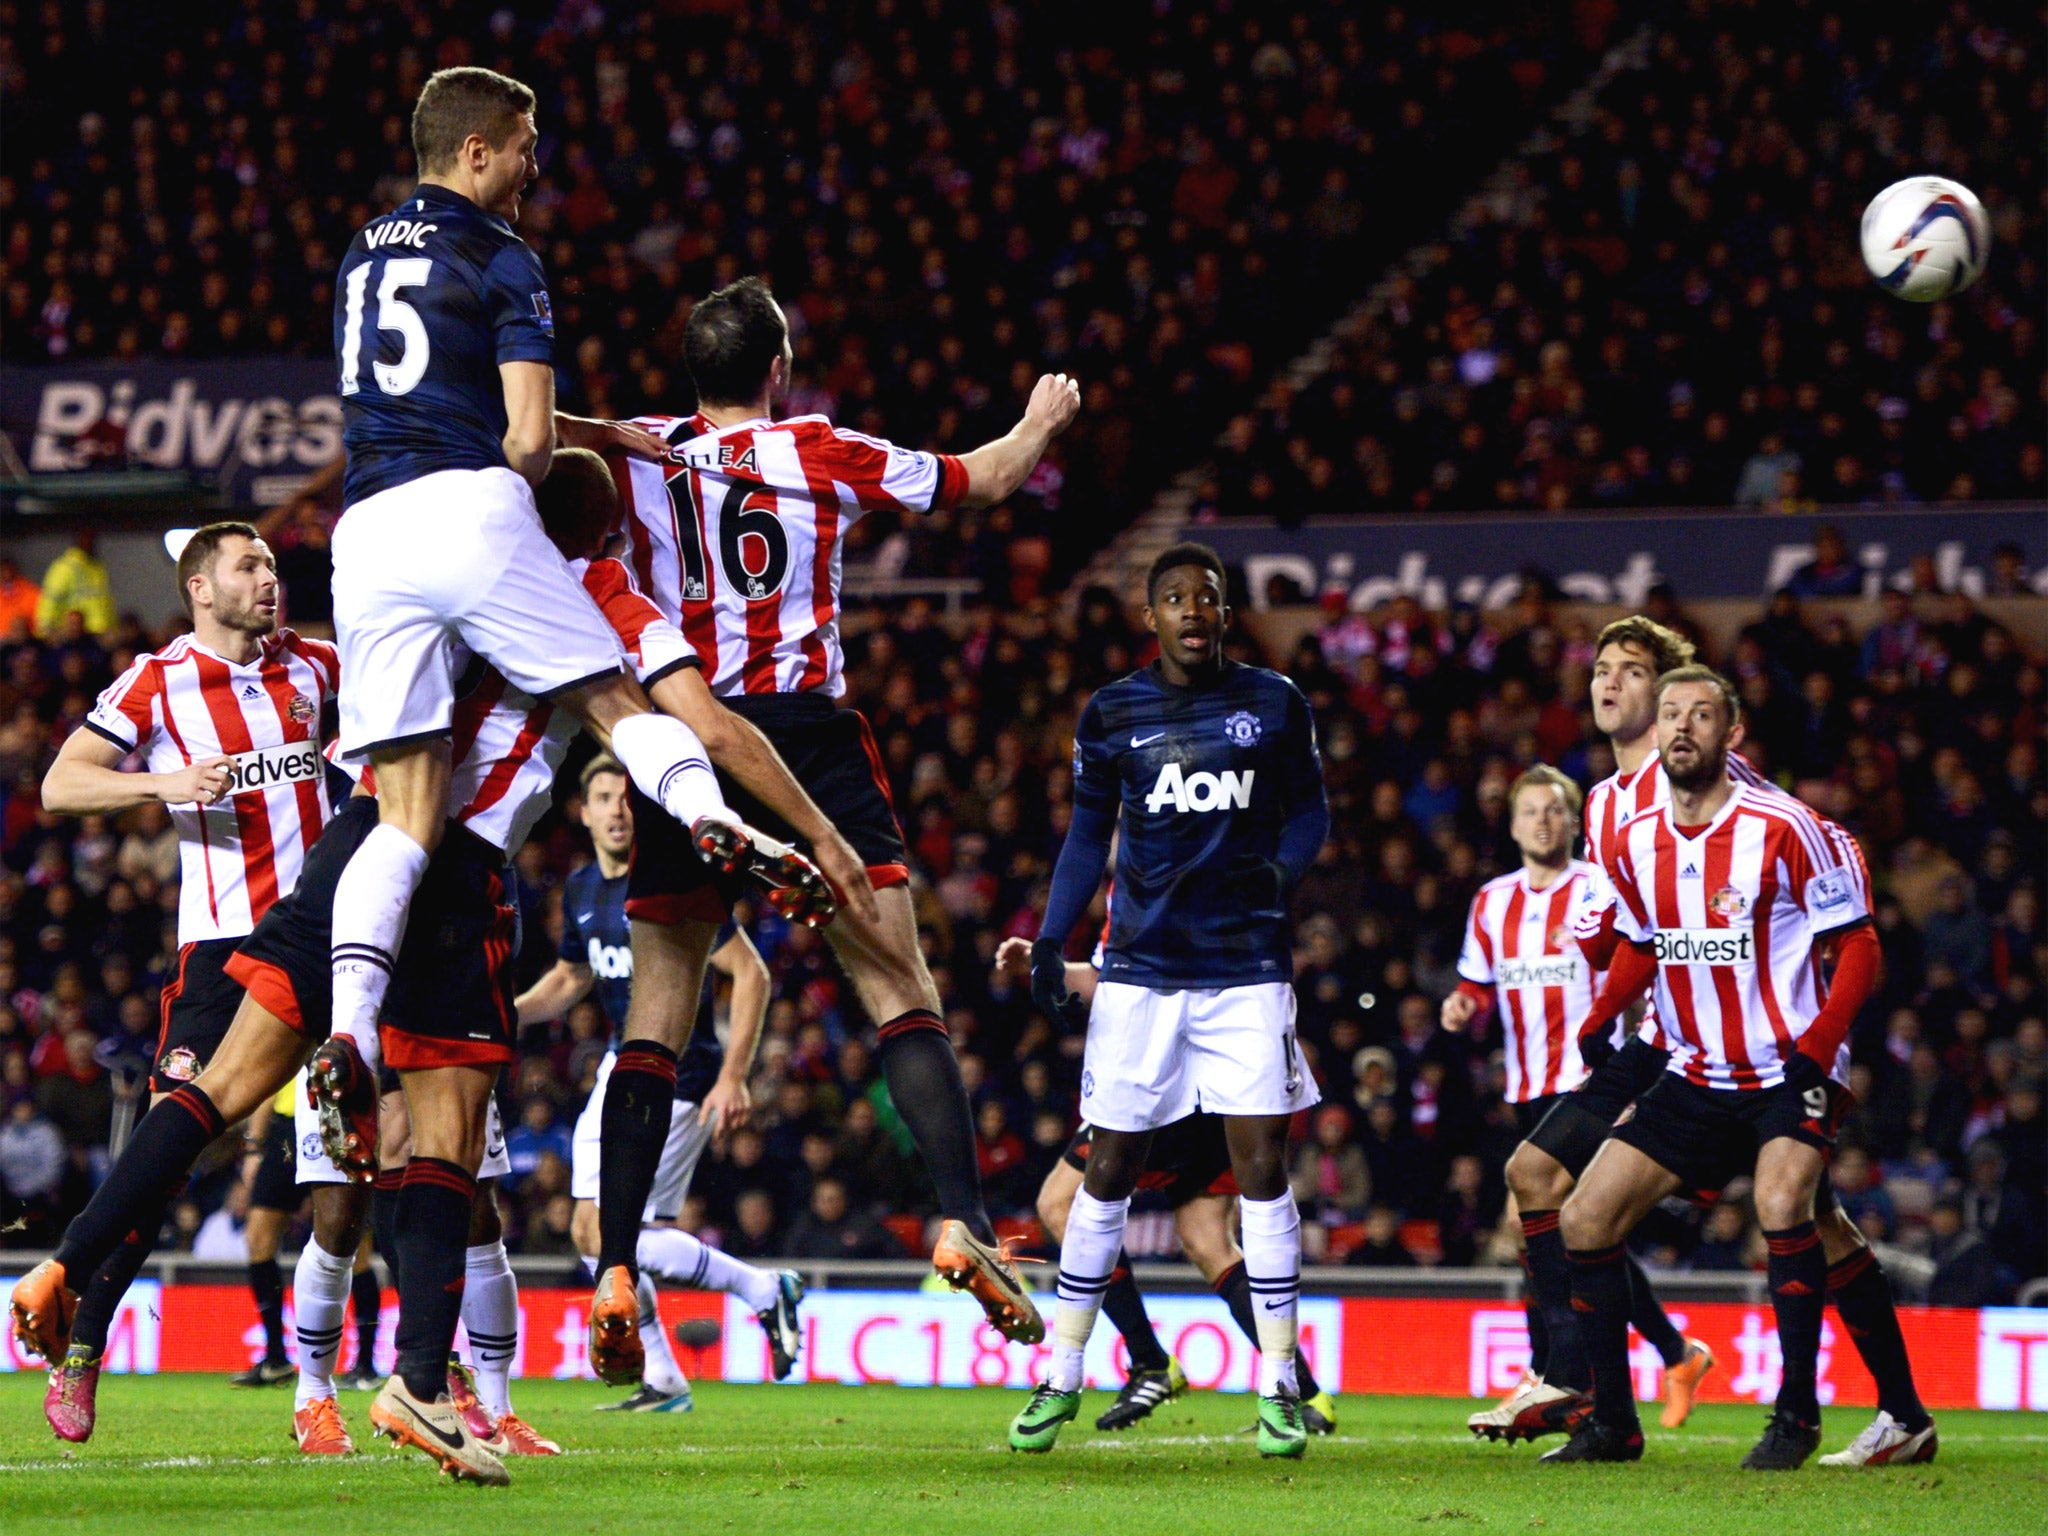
(1611, 805)
(507, 745)
(1518, 940)
(738, 537)
(188, 704)
(1735, 911)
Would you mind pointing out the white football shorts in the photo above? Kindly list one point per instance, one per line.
(688, 1136)
(453, 558)
(1154, 1057)
(315, 1167)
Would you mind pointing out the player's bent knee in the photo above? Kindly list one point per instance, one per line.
(1539, 1181)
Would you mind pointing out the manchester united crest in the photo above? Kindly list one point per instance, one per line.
(1242, 728)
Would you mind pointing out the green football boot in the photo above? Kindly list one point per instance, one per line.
(1038, 1426)
(1281, 1432)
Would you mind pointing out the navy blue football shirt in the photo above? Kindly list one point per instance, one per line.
(1206, 778)
(430, 299)
(597, 933)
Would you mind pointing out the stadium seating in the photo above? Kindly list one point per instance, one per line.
(1667, 308)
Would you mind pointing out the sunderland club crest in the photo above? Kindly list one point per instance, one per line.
(1729, 903)
(301, 709)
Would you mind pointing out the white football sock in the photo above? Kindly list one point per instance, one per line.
(370, 903)
(490, 1312)
(668, 763)
(675, 1255)
(1095, 1234)
(1272, 1266)
(320, 1287)
(661, 1371)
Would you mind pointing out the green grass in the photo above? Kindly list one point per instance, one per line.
(188, 1454)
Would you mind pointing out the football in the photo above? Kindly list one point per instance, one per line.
(1925, 238)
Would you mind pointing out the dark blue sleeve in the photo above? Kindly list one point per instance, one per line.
(516, 301)
(575, 945)
(1085, 854)
(1308, 802)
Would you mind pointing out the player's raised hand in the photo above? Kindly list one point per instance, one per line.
(1013, 958)
(1055, 402)
(200, 783)
(1457, 1011)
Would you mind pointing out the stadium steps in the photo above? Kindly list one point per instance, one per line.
(1121, 564)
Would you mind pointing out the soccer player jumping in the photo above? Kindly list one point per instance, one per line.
(445, 342)
(1208, 774)
(738, 537)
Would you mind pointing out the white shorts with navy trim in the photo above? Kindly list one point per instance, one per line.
(455, 558)
(688, 1136)
(1155, 1056)
(315, 1167)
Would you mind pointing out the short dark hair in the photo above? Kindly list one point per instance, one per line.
(578, 502)
(196, 558)
(1698, 672)
(1666, 648)
(731, 341)
(1186, 553)
(454, 103)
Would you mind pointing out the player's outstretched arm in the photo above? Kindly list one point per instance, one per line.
(85, 780)
(608, 437)
(560, 989)
(737, 746)
(995, 470)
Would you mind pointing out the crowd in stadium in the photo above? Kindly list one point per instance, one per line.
(925, 230)
(933, 191)
(1668, 308)
(1424, 721)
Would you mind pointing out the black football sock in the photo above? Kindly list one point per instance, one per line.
(1235, 1287)
(1646, 1312)
(110, 1282)
(384, 1216)
(1600, 1308)
(1863, 1300)
(1532, 1312)
(433, 1247)
(1125, 1304)
(634, 1129)
(160, 1153)
(266, 1284)
(1550, 1277)
(366, 1296)
(1798, 1274)
(923, 1076)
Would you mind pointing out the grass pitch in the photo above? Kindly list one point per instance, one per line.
(190, 1454)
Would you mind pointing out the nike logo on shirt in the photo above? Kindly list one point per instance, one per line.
(1146, 741)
